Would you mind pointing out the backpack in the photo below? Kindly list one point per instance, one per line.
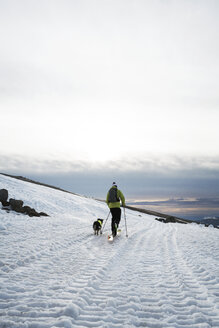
(113, 198)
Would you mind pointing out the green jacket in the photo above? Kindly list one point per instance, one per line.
(116, 204)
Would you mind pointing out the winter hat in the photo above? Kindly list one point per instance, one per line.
(114, 184)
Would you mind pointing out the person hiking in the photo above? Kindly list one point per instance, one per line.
(113, 198)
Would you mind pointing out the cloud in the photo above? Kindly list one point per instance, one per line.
(163, 164)
(183, 187)
(153, 178)
(80, 77)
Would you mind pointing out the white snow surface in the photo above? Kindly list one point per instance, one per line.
(54, 272)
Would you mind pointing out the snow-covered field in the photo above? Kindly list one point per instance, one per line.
(55, 273)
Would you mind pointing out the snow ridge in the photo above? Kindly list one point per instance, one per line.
(55, 273)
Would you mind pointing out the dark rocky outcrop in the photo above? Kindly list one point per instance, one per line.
(30, 211)
(162, 217)
(43, 214)
(161, 220)
(169, 219)
(17, 205)
(4, 197)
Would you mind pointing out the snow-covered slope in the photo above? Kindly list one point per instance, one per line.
(55, 273)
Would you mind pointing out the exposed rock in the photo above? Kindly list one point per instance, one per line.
(160, 220)
(167, 219)
(26, 209)
(3, 195)
(170, 219)
(43, 214)
(5, 203)
(16, 205)
(30, 211)
(6, 209)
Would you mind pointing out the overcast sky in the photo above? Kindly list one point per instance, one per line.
(92, 87)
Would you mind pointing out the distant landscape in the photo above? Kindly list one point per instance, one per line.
(191, 210)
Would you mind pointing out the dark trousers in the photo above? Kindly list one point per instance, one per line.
(116, 217)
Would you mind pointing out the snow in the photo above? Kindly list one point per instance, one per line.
(55, 273)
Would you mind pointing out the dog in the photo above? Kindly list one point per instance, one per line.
(97, 225)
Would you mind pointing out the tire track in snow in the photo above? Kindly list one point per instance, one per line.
(186, 297)
(145, 283)
(115, 287)
(43, 276)
(47, 247)
(80, 280)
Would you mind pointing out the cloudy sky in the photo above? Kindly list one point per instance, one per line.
(98, 90)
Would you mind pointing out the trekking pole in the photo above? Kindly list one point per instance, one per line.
(125, 223)
(101, 231)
